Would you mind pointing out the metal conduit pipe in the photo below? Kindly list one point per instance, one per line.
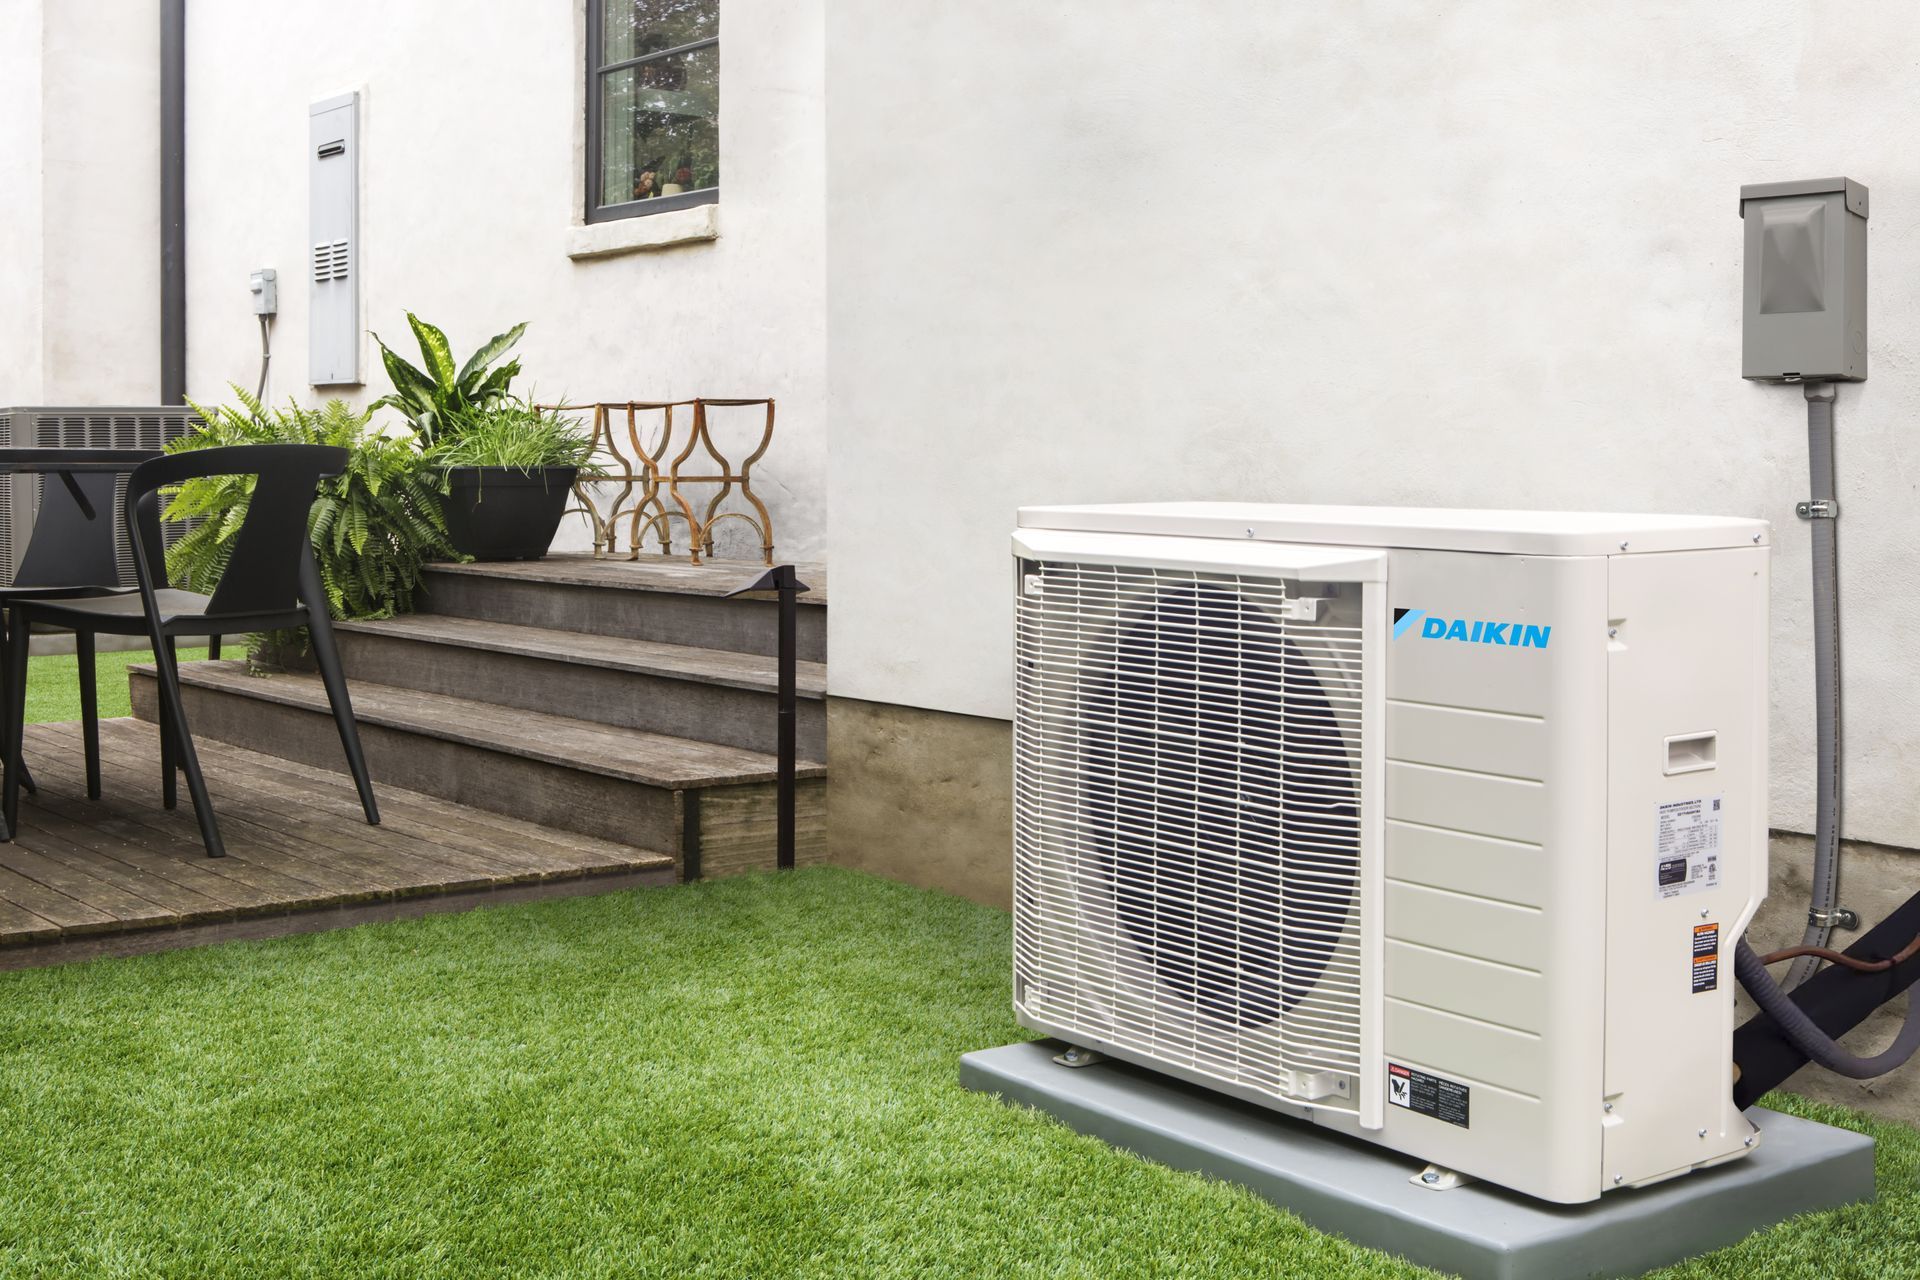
(1822, 512)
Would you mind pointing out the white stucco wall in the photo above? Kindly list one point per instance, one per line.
(1473, 255)
(469, 185)
(79, 243)
(20, 233)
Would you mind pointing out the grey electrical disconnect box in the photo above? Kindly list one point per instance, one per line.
(333, 165)
(1806, 281)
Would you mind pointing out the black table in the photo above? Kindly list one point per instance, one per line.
(66, 463)
(36, 458)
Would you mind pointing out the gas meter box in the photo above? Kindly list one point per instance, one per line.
(1806, 281)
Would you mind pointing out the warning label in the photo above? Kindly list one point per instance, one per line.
(1426, 1094)
(1706, 958)
(1686, 847)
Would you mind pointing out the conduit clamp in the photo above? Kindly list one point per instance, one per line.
(1837, 918)
(1817, 509)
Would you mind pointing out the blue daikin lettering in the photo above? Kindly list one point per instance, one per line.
(1512, 635)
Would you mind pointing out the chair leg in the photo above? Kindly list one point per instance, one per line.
(213, 648)
(327, 656)
(169, 789)
(89, 710)
(26, 774)
(167, 667)
(16, 715)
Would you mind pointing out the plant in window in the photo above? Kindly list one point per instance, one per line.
(375, 526)
(436, 399)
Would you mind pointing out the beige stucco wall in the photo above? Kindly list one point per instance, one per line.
(79, 240)
(469, 187)
(1465, 255)
(20, 226)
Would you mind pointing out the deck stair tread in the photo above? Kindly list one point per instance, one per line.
(633, 755)
(673, 574)
(641, 657)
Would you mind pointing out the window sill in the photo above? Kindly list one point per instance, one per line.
(639, 235)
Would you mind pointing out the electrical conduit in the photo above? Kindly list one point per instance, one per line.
(1826, 688)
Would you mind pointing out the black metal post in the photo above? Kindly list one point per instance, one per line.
(788, 585)
(173, 201)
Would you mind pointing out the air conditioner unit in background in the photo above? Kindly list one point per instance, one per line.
(114, 427)
(1435, 828)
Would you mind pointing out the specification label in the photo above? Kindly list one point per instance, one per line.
(1686, 846)
(1427, 1095)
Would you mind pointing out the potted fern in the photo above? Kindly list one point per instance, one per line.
(374, 527)
(507, 466)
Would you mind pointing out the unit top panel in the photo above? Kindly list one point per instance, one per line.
(1541, 533)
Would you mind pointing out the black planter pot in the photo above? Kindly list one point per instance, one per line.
(498, 513)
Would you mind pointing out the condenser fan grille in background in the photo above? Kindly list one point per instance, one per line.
(81, 427)
(1188, 821)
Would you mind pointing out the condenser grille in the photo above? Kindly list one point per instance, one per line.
(116, 427)
(1188, 826)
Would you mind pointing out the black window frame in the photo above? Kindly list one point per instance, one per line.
(596, 175)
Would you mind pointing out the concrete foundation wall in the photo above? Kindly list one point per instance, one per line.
(922, 796)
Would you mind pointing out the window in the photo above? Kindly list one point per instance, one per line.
(653, 106)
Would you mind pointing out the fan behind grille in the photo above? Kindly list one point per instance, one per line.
(1188, 820)
(1203, 790)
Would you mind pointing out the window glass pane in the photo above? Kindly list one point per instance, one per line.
(660, 127)
(634, 28)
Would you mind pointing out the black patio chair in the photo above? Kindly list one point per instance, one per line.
(270, 583)
(71, 554)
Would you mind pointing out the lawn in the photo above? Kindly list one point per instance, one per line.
(53, 682)
(748, 1077)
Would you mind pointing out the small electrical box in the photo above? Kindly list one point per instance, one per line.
(1805, 312)
(265, 287)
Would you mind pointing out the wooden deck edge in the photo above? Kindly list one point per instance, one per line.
(72, 948)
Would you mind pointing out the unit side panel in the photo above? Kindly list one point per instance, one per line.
(1687, 855)
(1495, 856)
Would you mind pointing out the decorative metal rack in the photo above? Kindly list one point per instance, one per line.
(644, 479)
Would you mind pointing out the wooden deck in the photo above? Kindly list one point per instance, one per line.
(123, 875)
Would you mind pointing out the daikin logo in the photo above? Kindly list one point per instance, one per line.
(1469, 631)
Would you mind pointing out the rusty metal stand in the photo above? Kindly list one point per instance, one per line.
(635, 463)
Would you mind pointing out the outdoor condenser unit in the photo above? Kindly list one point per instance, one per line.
(1435, 828)
(73, 427)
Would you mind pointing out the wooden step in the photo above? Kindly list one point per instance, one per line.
(712, 803)
(711, 695)
(653, 598)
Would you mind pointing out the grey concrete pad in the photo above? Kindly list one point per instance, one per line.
(1353, 1189)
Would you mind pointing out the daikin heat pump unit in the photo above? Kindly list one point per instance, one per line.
(1433, 827)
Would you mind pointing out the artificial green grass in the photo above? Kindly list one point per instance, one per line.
(53, 683)
(751, 1077)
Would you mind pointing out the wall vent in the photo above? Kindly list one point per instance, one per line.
(334, 326)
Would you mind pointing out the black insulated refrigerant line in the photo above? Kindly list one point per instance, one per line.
(173, 201)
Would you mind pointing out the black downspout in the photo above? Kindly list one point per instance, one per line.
(173, 201)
